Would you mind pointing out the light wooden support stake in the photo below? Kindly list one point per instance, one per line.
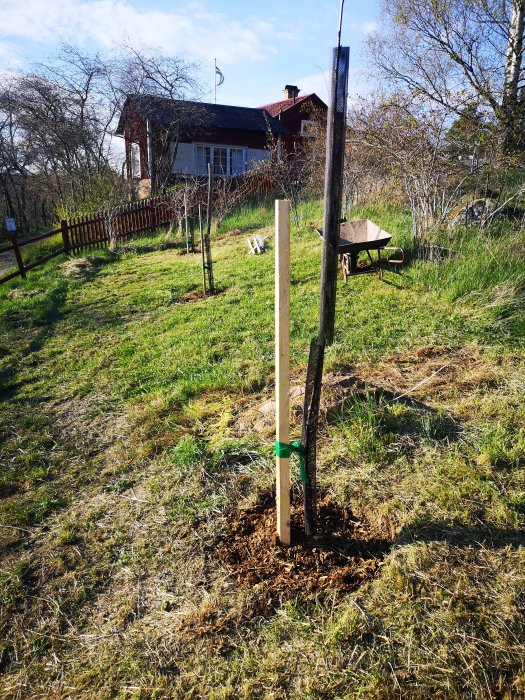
(282, 363)
(202, 254)
(186, 219)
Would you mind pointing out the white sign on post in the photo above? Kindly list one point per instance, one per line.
(10, 225)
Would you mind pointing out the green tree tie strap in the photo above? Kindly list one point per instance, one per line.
(285, 449)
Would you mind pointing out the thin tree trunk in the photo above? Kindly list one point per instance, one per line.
(512, 73)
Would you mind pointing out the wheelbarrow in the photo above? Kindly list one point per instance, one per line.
(363, 236)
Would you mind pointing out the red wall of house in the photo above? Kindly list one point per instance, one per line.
(135, 132)
(291, 119)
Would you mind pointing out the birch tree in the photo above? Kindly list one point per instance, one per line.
(456, 53)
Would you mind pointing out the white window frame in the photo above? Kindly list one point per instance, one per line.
(305, 130)
(229, 149)
(134, 161)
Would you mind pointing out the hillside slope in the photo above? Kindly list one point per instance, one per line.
(137, 426)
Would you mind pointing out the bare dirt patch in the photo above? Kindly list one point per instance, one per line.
(7, 263)
(194, 296)
(349, 553)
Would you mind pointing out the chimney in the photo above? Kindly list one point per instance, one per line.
(291, 91)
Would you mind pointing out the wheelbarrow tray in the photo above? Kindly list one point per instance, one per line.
(363, 234)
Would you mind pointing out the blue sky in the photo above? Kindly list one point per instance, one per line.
(259, 46)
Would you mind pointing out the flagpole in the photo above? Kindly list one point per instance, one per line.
(215, 79)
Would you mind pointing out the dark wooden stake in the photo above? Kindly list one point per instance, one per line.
(192, 234)
(65, 236)
(209, 265)
(335, 147)
(18, 256)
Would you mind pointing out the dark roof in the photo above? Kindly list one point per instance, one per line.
(165, 111)
(275, 108)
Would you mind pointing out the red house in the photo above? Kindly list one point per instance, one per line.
(171, 139)
(297, 114)
(182, 137)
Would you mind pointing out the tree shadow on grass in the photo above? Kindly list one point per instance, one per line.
(482, 536)
(44, 313)
(421, 421)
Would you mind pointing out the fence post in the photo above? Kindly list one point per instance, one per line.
(16, 250)
(152, 217)
(66, 245)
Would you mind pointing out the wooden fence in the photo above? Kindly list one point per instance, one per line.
(95, 230)
(119, 224)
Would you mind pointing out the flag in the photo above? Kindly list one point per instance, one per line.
(221, 77)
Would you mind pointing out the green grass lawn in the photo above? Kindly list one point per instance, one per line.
(131, 426)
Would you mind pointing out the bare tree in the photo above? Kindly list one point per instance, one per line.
(161, 87)
(457, 52)
(57, 125)
(401, 138)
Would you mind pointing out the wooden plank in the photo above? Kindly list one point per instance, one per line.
(125, 222)
(186, 220)
(135, 218)
(282, 364)
(154, 213)
(103, 225)
(96, 230)
(202, 253)
(116, 222)
(77, 233)
(39, 237)
(82, 232)
(89, 231)
(130, 229)
(207, 244)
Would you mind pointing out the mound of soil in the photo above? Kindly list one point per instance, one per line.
(194, 296)
(349, 553)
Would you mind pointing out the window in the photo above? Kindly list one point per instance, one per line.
(307, 128)
(202, 158)
(236, 161)
(225, 160)
(134, 156)
(220, 161)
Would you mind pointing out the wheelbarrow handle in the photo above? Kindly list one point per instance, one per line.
(396, 261)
